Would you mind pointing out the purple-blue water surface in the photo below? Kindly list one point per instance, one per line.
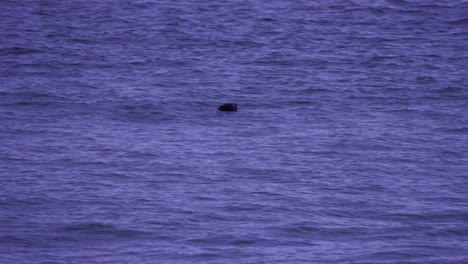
(350, 144)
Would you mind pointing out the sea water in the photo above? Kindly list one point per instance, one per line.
(349, 145)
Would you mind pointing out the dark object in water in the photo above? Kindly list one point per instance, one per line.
(228, 107)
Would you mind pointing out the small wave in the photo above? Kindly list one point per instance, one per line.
(301, 228)
(81, 40)
(240, 208)
(205, 257)
(101, 229)
(273, 62)
(88, 227)
(30, 103)
(243, 242)
(315, 90)
(463, 21)
(35, 201)
(42, 13)
(426, 79)
(18, 51)
(26, 94)
(16, 240)
(448, 89)
(306, 91)
(140, 113)
(268, 19)
(210, 239)
(402, 111)
(395, 254)
(430, 217)
(434, 5)
(449, 232)
(461, 130)
(33, 98)
(228, 239)
(301, 102)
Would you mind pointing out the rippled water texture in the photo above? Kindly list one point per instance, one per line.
(349, 146)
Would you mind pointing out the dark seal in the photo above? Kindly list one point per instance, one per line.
(228, 108)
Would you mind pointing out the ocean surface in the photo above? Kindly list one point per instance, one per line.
(350, 144)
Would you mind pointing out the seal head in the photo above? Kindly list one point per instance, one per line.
(228, 107)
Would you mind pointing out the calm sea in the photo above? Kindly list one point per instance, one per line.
(350, 144)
